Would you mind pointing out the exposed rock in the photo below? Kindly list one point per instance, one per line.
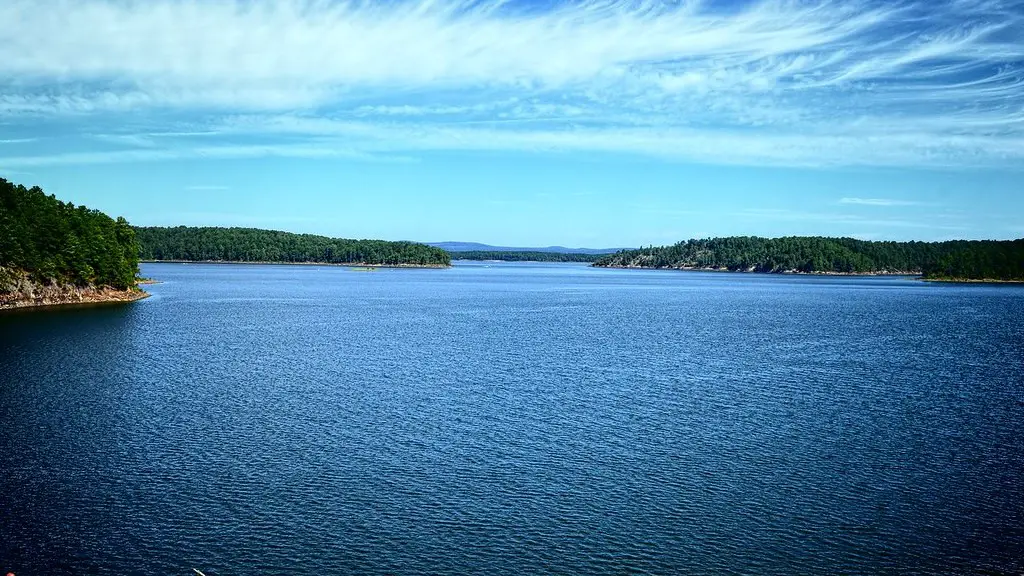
(18, 290)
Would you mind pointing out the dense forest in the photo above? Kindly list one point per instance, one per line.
(58, 242)
(959, 259)
(525, 256)
(55, 241)
(255, 245)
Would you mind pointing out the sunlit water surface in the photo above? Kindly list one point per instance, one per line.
(515, 419)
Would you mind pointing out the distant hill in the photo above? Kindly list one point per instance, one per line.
(478, 247)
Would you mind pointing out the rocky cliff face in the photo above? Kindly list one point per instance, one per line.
(18, 290)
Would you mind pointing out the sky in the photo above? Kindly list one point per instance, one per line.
(598, 123)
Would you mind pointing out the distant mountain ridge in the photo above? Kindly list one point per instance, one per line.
(478, 247)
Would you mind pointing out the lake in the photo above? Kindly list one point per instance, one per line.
(515, 419)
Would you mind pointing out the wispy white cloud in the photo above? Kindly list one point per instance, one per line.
(841, 219)
(322, 150)
(877, 202)
(17, 140)
(708, 144)
(361, 140)
(130, 140)
(782, 82)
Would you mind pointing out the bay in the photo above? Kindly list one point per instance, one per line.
(515, 418)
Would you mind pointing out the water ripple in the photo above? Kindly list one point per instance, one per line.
(516, 419)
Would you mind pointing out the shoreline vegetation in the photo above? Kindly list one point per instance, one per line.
(956, 260)
(914, 275)
(972, 281)
(352, 265)
(774, 272)
(254, 245)
(54, 253)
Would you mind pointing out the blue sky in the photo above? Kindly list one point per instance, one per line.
(596, 122)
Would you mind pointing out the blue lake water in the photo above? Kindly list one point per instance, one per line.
(515, 419)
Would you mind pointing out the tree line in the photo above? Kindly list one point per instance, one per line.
(257, 245)
(55, 241)
(958, 259)
(525, 256)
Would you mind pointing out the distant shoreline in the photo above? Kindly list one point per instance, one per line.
(915, 275)
(498, 261)
(972, 281)
(779, 273)
(338, 264)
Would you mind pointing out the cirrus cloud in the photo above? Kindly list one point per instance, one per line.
(780, 82)
(878, 202)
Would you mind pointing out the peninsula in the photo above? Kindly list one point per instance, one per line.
(955, 261)
(53, 252)
(254, 245)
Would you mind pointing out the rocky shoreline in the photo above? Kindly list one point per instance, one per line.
(754, 271)
(973, 280)
(916, 274)
(20, 291)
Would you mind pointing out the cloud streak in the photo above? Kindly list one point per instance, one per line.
(877, 202)
(320, 150)
(841, 219)
(780, 82)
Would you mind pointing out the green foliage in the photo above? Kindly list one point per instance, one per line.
(996, 260)
(56, 241)
(255, 245)
(526, 256)
(979, 260)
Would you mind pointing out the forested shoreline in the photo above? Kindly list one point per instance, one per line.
(951, 260)
(54, 252)
(45, 242)
(213, 244)
(525, 256)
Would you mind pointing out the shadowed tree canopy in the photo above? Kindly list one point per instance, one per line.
(57, 241)
(958, 259)
(256, 245)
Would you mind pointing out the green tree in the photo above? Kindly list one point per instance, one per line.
(59, 242)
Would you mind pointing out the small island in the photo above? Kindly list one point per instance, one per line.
(951, 261)
(55, 253)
